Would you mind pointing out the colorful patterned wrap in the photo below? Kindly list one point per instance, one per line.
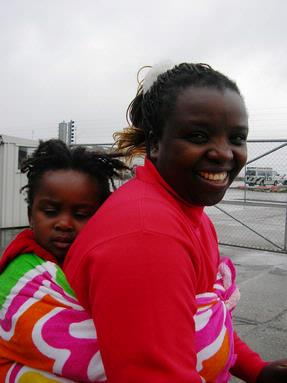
(58, 340)
(213, 326)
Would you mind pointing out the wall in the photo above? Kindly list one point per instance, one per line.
(13, 208)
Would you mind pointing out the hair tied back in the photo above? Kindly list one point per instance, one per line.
(155, 71)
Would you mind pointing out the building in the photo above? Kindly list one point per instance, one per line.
(63, 131)
(71, 133)
(13, 208)
(67, 132)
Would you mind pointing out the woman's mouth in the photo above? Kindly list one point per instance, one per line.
(219, 178)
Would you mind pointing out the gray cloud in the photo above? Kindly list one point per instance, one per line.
(64, 59)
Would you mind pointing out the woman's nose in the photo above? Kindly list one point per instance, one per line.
(221, 152)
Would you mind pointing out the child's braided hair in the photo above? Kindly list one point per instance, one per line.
(56, 155)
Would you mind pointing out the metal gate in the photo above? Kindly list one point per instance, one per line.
(256, 216)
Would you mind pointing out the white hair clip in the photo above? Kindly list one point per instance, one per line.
(154, 72)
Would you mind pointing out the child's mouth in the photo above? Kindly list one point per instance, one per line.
(63, 242)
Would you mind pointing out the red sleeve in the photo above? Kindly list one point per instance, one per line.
(141, 295)
(248, 363)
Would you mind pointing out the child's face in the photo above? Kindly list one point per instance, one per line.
(63, 203)
(203, 144)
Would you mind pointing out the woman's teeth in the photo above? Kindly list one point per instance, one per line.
(214, 176)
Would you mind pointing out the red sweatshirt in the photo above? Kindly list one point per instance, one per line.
(137, 266)
(23, 243)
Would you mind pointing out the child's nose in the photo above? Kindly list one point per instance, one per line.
(65, 222)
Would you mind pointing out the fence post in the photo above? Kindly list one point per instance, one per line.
(285, 233)
(245, 183)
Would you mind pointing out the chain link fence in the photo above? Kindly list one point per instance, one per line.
(253, 213)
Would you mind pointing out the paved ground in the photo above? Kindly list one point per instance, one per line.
(261, 315)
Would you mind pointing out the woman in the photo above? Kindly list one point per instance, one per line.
(147, 265)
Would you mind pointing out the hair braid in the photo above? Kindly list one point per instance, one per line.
(53, 155)
(148, 112)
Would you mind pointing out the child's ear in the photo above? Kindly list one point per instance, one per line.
(153, 146)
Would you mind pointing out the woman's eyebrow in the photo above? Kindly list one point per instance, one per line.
(242, 128)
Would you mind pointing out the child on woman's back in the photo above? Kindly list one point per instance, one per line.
(42, 325)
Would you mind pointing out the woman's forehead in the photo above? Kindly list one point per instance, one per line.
(207, 107)
(203, 100)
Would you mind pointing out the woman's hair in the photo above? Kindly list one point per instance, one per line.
(148, 111)
(56, 155)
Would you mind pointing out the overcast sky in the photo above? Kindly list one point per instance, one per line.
(67, 59)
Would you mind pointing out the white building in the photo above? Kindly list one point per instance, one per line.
(13, 208)
(63, 131)
(67, 132)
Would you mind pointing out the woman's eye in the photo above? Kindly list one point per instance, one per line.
(238, 140)
(197, 138)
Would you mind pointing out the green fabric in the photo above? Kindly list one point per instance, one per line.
(19, 267)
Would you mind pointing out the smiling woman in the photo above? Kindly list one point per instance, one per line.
(203, 144)
(147, 266)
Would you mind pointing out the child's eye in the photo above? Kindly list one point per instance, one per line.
(83, 214)
(50, 212)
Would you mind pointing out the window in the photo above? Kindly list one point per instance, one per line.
(269, 173)
(23, 153)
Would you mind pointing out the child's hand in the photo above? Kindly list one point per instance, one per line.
(275, 372)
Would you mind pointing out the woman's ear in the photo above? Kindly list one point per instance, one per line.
(152, 146)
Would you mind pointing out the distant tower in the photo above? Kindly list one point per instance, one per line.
(63, 131)
(71, 133)
(67, 132)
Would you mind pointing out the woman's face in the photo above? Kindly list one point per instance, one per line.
(203, 144)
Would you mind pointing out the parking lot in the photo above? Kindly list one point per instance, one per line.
(260, 317)
(250, 218)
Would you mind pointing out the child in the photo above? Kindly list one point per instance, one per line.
(43, 329)
(159, 294)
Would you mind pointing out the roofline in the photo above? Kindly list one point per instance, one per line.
(4, 139)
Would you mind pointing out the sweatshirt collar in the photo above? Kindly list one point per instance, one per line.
(24, 243)
(150, 174)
